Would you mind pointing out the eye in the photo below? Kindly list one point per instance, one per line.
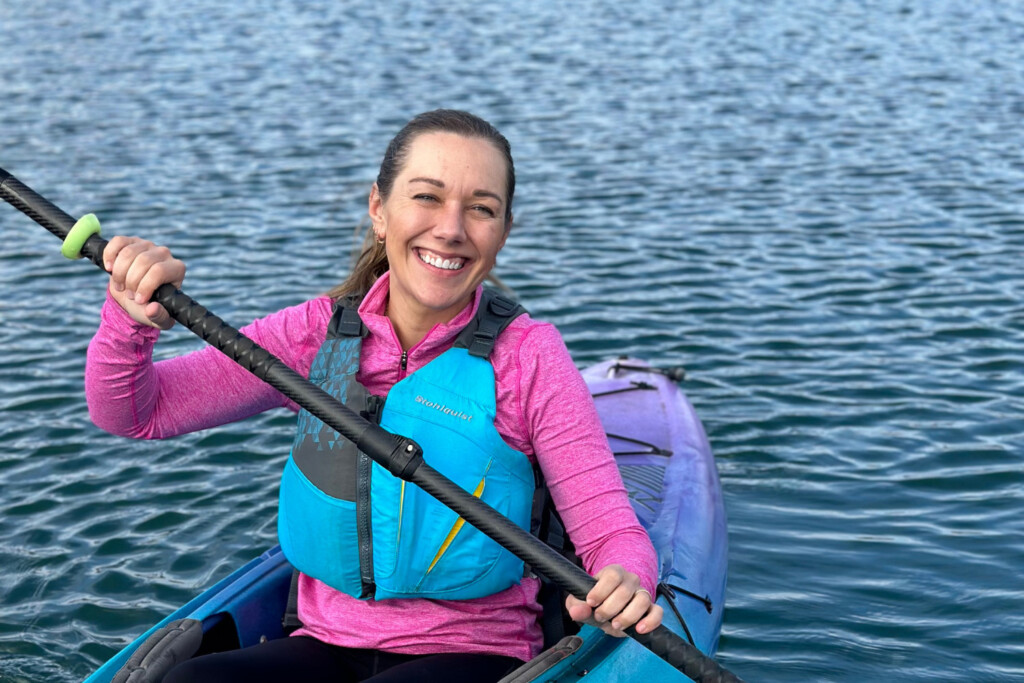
(484, 210)
(425, 197)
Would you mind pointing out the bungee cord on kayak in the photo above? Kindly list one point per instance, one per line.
(651, 448)
(633, 386)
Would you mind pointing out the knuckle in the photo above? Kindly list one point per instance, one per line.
(130, 252)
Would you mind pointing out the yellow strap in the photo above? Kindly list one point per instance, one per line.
(455, 529)
(401, 506)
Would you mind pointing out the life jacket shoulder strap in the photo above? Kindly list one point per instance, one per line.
(345, 322)
(495, 313)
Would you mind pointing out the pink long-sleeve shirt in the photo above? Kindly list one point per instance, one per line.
(543, 409)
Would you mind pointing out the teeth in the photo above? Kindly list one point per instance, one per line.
(438, 262)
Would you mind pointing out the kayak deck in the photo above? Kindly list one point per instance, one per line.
(669, 472)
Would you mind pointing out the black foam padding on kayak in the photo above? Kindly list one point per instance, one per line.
(545, 661)
(158, 654)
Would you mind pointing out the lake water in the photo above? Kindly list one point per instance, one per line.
(816, 207)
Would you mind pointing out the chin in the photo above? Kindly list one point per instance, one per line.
(441, 305)
(443, 301)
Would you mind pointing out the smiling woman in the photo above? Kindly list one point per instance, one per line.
(391, 585)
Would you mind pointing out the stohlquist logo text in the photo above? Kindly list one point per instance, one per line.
(443, 408)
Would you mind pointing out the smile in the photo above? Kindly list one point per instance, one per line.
(455, 263)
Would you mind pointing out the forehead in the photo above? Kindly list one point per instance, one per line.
(460, 157)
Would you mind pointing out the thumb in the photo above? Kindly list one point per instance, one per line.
(578, 610)
(159, 316)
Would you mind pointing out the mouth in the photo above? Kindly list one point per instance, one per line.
(439, 261)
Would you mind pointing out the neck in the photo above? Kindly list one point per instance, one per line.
(410, 332)
(412, 326)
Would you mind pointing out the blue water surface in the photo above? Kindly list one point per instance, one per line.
(817, 207)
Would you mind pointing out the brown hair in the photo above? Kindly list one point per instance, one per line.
(373, 260)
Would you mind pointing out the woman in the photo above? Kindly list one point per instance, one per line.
(441, 211)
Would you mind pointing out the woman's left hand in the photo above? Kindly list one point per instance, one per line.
(616, 602)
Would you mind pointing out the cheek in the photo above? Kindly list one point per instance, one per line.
(496, 247)
(490, 243)
(392, 249)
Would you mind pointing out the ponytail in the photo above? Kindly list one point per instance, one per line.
(371, 264)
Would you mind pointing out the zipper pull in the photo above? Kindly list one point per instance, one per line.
(405, 359)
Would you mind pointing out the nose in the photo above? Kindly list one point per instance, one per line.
(450, 225)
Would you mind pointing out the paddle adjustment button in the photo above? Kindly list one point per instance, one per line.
(401, 456)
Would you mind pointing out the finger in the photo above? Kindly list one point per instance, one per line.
(614, 604)
(114, 246)
(146, 261)
(152, 268)
(124, 261)
(633, 612)
(652, 620)
(608, 579)
(160, 273)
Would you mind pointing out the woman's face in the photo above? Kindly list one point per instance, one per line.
(443, 224)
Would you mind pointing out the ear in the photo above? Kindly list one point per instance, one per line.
(375, 207)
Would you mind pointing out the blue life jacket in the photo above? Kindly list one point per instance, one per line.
(350, 523)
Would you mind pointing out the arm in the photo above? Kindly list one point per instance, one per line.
(129, 395)
(572, 450)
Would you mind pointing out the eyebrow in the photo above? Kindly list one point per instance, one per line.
(439, 184)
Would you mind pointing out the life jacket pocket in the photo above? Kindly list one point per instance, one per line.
(317, 531)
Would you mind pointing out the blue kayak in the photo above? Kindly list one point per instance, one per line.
(669, 471)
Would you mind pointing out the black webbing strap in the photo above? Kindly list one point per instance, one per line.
(546, 524)
(290, 621)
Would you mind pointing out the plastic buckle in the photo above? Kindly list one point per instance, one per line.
(502, 306)
(351, 324)
(482, 344)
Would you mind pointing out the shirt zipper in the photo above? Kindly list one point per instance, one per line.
(402, 363)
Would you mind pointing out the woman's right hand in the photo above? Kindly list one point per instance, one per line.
(137, 268)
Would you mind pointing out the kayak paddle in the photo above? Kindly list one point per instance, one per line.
(401, 456)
